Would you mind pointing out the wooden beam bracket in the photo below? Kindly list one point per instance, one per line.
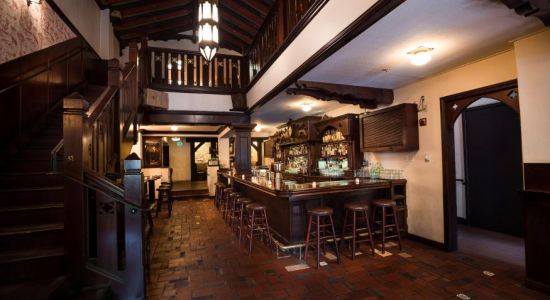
(365, 97)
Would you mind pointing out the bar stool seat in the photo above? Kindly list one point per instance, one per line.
(255, 206)
(321, 211)
(357, 206)
(383, 202)
(233, 196)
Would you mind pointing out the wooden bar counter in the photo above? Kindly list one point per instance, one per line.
(287, 204)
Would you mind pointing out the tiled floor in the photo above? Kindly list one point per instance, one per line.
(490, 244)
(195, 256)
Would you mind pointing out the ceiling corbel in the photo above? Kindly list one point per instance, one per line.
(365, 97)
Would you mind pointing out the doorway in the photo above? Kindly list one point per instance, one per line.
(202, 150)
(452, 107)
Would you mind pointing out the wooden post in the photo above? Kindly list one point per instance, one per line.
(75, 156)
(134, 285)
(133, 52)
(242, 147)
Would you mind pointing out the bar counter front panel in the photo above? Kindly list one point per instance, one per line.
(287, 204)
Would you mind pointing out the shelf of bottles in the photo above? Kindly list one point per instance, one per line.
(297, 159)
(334, 158)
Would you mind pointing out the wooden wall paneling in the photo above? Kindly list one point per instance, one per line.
(10, 114)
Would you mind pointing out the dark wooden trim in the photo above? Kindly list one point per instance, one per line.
(425, 241)
(365, 21)
(531, 8)
(70, 24)
(193, 117)
(537, 176)
(181, 132)
(194, 90)
(300, 26)
(450, 108)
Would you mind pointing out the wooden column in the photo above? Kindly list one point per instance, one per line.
(75, 157)
(241, 133)
(134, 284)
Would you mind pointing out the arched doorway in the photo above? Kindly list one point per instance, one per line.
(451, 108)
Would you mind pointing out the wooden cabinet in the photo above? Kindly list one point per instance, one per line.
(390, 129)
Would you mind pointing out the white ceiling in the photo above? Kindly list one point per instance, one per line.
(460, 31)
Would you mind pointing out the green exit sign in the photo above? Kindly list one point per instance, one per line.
(179, 143)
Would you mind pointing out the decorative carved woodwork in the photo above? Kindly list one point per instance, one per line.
(535, 8)
(365, 97)
(188, 71)
(297, 131)
(390, 129)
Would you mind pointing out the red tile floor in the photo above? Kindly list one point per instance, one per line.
(195, 256)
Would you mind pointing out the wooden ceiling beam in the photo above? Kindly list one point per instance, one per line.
(365, 97)
(256, 5)
(228, 30)
(153, 7)
(238, 23)
(241, 10)
(536, 8)
(182, 25)
(148, 20)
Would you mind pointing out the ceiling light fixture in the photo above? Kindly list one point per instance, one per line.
(174, 128)
(306, 106)
(176, 139)
(258, 128)
(208, 35)
(420, 55)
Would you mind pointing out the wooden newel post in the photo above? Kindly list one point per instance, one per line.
(74, 157)
(134, 285)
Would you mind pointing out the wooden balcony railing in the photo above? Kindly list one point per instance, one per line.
(284, 22)
(186, 71)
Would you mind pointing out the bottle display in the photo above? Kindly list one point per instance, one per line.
(334, 154)
(297, 160)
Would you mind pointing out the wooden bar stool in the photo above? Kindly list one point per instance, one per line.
(257, 225)
(218, 194)
(241, 215)
(357, 210)
(165, 196)
(381, 207)
(233, 196)
(225, 201)
(318, 216)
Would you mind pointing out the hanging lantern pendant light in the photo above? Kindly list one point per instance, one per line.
(208, 35)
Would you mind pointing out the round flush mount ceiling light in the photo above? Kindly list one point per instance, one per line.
(420, 56)
(174, 128)
(306, 106)
(258, 128)
(176, 139)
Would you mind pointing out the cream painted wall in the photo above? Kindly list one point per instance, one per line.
(533, 64)
(199, 102)
(424, 178)
(334, 17)
(223, 152)
(93, 24)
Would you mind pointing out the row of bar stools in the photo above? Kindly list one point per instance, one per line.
(359, 217)
(257, 225)
(165, 196)
(387, 209)
(318, 217)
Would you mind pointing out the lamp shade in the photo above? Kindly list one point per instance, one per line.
(208, 32)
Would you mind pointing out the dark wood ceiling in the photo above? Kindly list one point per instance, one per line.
(132, 20)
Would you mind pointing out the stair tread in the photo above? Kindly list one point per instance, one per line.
(14, 208)
(28, 254)
(35, 289)
(24, 229)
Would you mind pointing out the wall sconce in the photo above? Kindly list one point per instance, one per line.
(29, 2)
